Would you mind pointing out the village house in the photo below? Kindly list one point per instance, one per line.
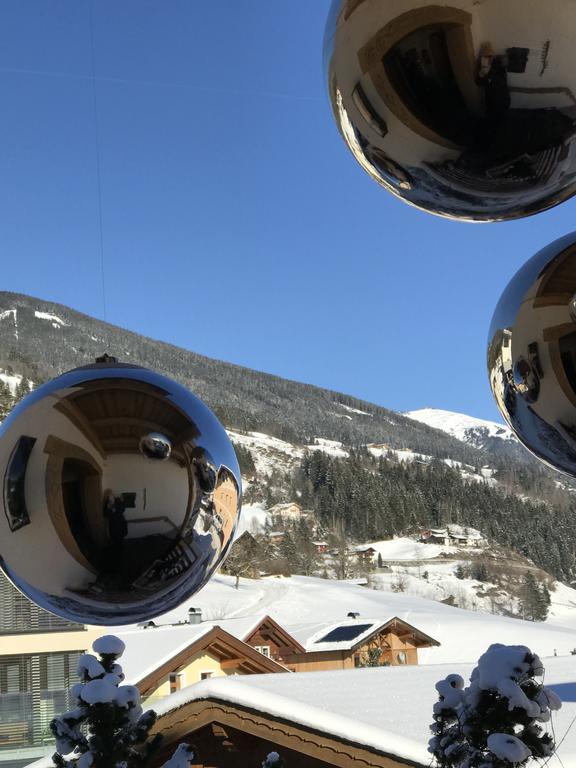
(165, 659)
(359, 642)
(289, 511)
(456, 536)
(365, 554)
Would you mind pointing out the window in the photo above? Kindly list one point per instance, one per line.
(401, 657)
(14, 501)
(264, 650)
(206, 675)
(175, 682)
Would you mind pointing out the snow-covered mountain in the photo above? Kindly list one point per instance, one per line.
(466, 428)
(491, 436)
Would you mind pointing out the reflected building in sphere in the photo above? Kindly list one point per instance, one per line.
(532, 354)
(121, 494)
(465, 109)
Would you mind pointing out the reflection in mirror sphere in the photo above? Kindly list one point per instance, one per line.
(121, 494)
(532, 355)
(465, 109)
(155, 446)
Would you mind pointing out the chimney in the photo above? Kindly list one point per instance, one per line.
(194, 615)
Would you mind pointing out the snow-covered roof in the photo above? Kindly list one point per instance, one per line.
(148, 649)
(343, 635)
(387, 709)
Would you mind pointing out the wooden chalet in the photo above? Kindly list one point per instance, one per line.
(212, 653)
(361, 642)
(273, 641)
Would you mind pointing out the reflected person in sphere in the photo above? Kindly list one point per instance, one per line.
(113, 511)
(492, 77)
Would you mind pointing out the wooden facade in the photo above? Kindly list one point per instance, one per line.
(395, 643)
(214, 654)
(270, 639)
(227, 735)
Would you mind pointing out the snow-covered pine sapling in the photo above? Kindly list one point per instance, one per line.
(447, 741)
(107, 728)
(273, 761)
(499, 720)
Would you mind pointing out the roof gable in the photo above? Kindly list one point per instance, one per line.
(218, 643)
(353, 633)
(278, 634)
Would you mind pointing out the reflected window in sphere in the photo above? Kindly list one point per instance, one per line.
(108, 517)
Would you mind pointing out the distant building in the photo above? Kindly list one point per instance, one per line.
(289, 511)
(365, 554)
(455, 536)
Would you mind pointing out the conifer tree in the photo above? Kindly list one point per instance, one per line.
(497, 721)
(6, 400)
(274, 761)
(107, 728)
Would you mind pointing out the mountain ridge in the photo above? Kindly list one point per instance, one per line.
(243, 398)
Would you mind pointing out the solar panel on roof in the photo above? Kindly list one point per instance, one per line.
(342, 634)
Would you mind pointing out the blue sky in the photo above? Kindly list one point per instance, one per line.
(235, 222)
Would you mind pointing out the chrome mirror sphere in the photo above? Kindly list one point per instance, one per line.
(155, 446)
(466, 109)
(121, 494)
(532, 355)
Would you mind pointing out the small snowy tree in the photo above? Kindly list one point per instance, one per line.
(273, 761)
(107, 728)
(497, 721)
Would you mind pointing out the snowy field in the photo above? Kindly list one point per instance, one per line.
(304, 604)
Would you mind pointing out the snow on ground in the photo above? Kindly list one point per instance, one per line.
(56, 321)
(331, 447)
(269, 453)
(253, 517)
(11, 380)
(354, 410)
(458, 424)
(404, 548)
(388, 708)
(13, 313)
(305, 604)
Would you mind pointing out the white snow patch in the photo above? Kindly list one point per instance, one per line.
(252, 518)
(404, 548)
(56, 321)
(459, 424)
(269, 453)
(109, 645)
(331, 447)
(11, 313)
(354, 410)
(11, 380)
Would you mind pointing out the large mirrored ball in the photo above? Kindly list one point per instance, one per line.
(465, 109)
(532, 354)
(121, 494)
